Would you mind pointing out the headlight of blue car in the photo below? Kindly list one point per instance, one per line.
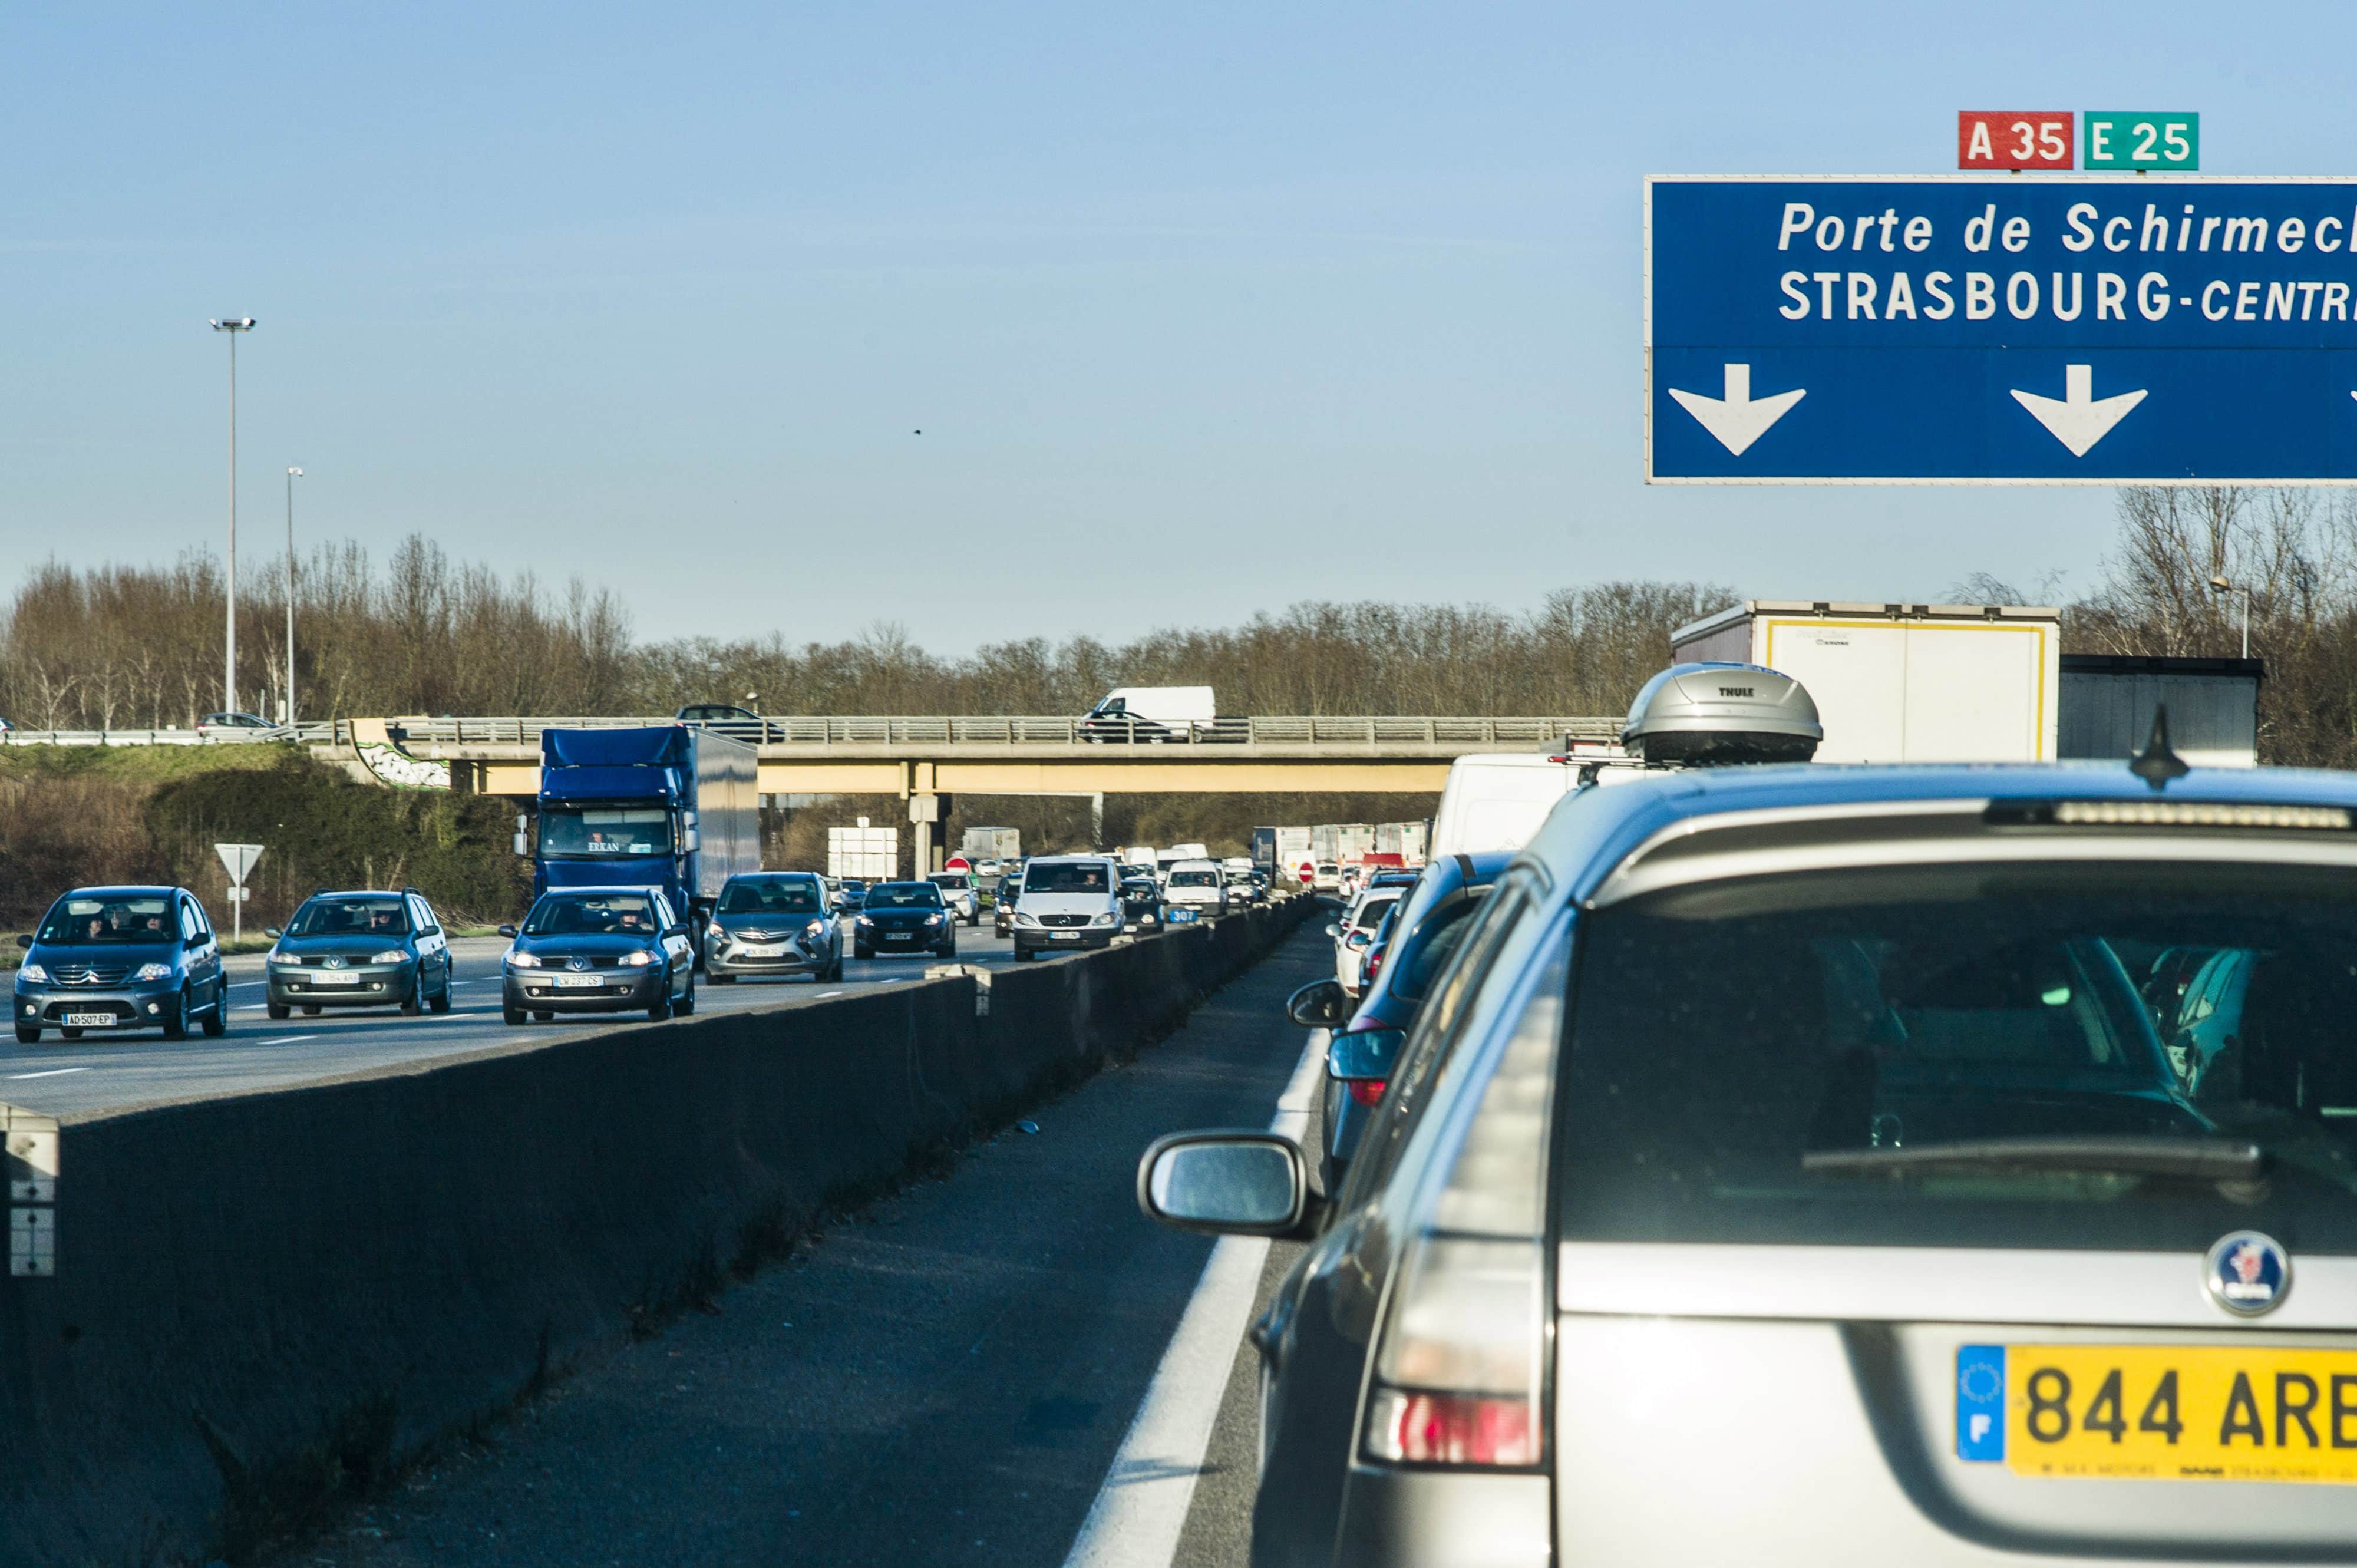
(32, 974)
(153, 972)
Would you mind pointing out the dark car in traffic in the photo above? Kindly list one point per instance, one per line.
(773, 923)
(904, 917)
(598, 950)
(369, 948)
(1425, 926)
(110, 959)
(1142, 909)
(851, 894)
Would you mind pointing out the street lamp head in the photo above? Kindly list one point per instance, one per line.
(2223, 586)
(233, 324)
(295, 473)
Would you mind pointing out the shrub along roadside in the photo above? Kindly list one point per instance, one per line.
(75, 815)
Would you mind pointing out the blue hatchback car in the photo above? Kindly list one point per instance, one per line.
(110, 959)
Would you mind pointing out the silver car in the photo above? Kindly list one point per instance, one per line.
(1788, 1169)
(776, 923)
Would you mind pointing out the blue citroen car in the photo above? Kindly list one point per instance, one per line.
(1787, 1168)
(106, 959)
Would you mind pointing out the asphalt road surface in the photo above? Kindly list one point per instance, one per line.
(108, 1072)
(948, 1378)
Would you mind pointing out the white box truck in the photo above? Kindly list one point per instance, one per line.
(872, 854)
(991, 844)
(1900, 682)
(1496, 801)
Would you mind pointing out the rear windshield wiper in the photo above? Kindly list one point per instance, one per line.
(2195, 1159)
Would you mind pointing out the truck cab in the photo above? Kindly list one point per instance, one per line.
(669, 806)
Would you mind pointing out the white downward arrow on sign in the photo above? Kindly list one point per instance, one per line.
(1735, 419)
(2080, 419)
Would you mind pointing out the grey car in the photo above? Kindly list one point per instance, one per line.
(774, 923)
(1787, 1169)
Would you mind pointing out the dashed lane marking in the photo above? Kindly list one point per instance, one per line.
(53, 1072)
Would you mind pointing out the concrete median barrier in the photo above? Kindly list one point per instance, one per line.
(262, 1303)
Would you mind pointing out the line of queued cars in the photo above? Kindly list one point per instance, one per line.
(1793, 1165)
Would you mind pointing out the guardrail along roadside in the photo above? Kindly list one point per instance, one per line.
(261, 1303)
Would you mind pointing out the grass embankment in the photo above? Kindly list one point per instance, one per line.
(83, 815)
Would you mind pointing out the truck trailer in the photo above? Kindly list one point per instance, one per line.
(669, 806)
(1900, 682)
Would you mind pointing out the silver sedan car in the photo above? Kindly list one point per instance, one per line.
(1817, 1166)
(776, 923)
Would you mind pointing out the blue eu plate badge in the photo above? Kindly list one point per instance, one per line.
(1980, 1404)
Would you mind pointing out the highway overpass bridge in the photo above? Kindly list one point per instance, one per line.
(914, 757)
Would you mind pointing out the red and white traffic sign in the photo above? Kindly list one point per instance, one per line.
(2016, 139)
(957, 863)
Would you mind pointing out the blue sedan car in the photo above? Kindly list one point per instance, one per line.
(112, 959)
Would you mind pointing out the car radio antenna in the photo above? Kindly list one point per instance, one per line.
(2158, 763)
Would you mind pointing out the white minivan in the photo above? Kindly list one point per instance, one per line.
(1197, 888)
(1067, 902)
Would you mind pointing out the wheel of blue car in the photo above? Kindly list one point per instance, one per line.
(685, 1006)
(176, 1022)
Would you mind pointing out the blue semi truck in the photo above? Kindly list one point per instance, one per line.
(670, 806)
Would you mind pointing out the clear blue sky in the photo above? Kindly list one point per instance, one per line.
(1201, 309)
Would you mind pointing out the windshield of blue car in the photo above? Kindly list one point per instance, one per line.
(589, 834)
(1828, 1058)
(770, 896)
(904, 895)
(350, 917)
(103, 918)
(1083, 876)
(592, 914)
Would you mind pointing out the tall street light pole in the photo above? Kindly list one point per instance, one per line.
(232, 325)
(2224, 586)
(293, 473)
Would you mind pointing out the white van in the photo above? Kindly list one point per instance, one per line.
(1067, 902)
(1196, 888)
(1149, 712)
(1498, 802)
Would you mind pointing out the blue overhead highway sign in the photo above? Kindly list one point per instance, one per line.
(2025, 329)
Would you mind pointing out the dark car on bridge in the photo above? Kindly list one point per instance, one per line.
(598, 950)
(904, 917)
(727, 718)
(109, 959)
(370, 948)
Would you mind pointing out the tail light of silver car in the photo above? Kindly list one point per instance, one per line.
(1460, 1367)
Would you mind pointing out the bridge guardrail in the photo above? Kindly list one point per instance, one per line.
(1308, 729)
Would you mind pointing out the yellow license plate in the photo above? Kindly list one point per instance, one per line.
(2158, 1412)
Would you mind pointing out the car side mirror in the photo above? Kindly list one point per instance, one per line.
(1358, 940)
(507, 931)
(1319, 1004)
(23, 941)
(1332, 929)
(272, 932)
(1229, 1184)
(1365, 1056)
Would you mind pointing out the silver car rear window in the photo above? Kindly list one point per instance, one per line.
(1980, 1056)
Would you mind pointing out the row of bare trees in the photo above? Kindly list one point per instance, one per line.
(127, 647)
(140, 648)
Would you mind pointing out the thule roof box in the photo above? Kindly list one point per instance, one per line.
(1715, 714)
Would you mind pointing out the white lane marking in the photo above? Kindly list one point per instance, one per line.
(824, 995)
(285, 1039)
(1142, 1506)
(53, 1072)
